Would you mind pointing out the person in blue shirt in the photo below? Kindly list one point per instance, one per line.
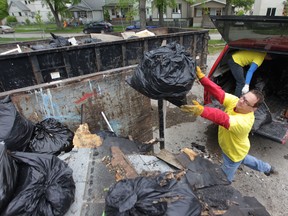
(239, 60)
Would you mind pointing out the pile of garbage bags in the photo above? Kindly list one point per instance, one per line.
(60, 41)
(34, 181)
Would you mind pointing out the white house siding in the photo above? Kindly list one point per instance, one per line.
(97, 15)
(43, 8)
(260, 7)
(170, 15)
(33, 7)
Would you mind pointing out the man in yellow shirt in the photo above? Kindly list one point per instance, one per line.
(239, 60)
(235, 123)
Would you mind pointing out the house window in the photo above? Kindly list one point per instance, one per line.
(20, 14)
(199, 12)
(213, 11)
(271, 12)
(82, 14)
(113, 12)
(218, 12)
(177, 9)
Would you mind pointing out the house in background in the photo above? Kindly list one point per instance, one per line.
(117, 13)
(202, 10)
(93, 10)
(196, 15)
(270, 8)
(88, 10)
(24, 10)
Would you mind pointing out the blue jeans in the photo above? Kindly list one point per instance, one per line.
(239, 76)
(229, 167)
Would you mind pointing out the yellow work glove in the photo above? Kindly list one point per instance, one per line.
(195, 109)
(199, 73)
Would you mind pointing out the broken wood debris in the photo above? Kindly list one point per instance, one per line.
(119, 160)
(169, 158)
(190, 153)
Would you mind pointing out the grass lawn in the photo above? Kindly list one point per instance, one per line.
(46, 28)
(52, 28)
(215, 46)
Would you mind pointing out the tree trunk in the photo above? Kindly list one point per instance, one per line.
(142, 13)
(228, 8)
(161, 17)
(56, 16)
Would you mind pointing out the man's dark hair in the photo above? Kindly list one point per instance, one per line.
(259, 96)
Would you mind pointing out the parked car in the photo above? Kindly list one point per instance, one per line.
(264, 34)
(98, 27)
(6, 29)
(136, 26)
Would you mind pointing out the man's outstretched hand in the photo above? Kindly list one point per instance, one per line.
(199, 73)
(195, 109)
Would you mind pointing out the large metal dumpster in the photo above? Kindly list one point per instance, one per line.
(92, 81)
(37, 67)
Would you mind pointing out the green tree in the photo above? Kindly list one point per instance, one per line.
(50, 17)
(58, 7)
(106, 15)
(129, 7)
(161, 5)
(38, 19)
(246, 5)
(3, 9)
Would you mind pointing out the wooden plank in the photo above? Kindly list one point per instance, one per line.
(169, 158)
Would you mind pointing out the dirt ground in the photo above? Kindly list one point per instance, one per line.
(183, 130)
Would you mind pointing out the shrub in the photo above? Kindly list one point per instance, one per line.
(11, 20)
(27, 21)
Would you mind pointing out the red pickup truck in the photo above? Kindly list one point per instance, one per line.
(264, 34)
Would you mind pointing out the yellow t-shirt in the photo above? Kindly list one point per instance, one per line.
(234, 141)
(246, 57)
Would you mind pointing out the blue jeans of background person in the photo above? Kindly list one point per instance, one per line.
(229, 167)
(238, 74)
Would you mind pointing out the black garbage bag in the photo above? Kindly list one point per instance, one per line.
(167, 72)
(45, 186)
(39, 47)
(15, 130)
(58, 41)
(8, 177)
(262, 116)
(51, 137)
(151, 196)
